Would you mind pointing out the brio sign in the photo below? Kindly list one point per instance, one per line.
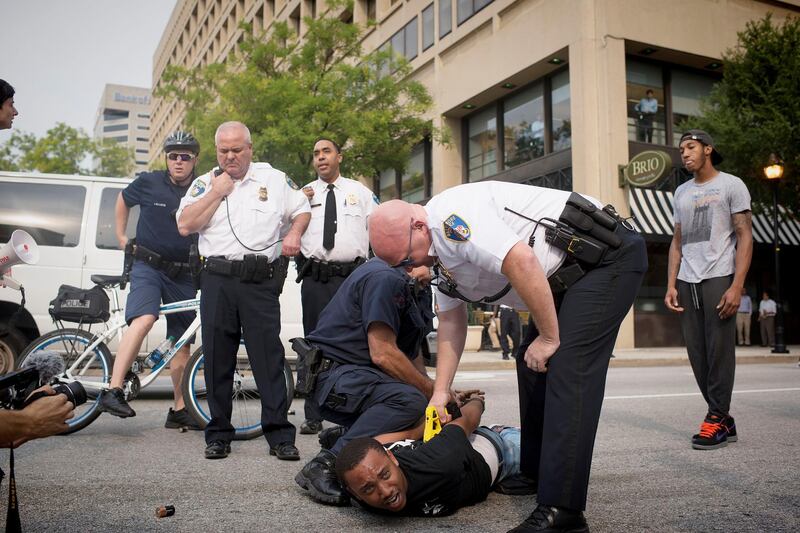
(646, 168)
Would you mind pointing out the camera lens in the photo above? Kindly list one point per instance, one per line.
(74, 392)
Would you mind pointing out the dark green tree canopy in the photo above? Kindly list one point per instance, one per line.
(65, 150)
(290, 91)
(755, 109)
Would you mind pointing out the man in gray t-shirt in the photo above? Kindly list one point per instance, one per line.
(708, 261)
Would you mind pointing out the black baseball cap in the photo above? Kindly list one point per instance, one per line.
(705, 138)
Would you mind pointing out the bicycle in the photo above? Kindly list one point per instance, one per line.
(88, 360)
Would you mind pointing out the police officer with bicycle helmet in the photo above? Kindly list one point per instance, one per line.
(160, 271)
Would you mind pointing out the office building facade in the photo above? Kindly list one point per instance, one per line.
(536, 91)
(123, 116)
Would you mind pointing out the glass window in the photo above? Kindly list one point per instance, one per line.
(52, 214)
(146, 128)
(687, 90)
(562, 123)
(120, 139)
(467, 8)
(114, 114)
(445, 17)
(411, 31)
(412, 183)
(372, 9)
(388, 185)
(523, 124)
(142, 139)
(398, 42)
(645, 92)
(427, 27)
(141, 151)
(116, 127)
(482, 144)
(106, 237)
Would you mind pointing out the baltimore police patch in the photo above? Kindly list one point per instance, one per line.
(198, 188)
(292, 184)
(456, 229)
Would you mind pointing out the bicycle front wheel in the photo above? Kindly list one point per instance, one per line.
(94, 370)
(246, 413)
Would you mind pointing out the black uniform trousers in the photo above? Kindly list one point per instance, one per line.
(230, 308)
(367, 401)
(509, 327)
(314, 296)
(560, 409)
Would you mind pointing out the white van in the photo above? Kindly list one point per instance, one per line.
(71, 218)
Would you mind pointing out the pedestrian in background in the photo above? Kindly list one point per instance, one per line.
(708, 261)
(766, 318)
(743, 319)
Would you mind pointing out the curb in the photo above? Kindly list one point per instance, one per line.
(618, 362)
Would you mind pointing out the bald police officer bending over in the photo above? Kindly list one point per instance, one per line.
(240, 214)
(507, 243)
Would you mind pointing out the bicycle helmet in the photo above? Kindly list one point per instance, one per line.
(181, 140)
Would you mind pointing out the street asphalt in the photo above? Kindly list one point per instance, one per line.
(112, 475)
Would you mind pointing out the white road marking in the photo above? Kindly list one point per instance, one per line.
(680, 394)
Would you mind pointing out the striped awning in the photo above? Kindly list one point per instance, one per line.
(652, 211)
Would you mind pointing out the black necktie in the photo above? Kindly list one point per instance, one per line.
(329, 230)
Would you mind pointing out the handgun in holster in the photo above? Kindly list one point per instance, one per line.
(127, 264)
(303, 266)
(195, 265)
(310, 357)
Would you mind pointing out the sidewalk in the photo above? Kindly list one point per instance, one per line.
(672, 356)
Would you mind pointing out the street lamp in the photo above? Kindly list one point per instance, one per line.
(774, 172)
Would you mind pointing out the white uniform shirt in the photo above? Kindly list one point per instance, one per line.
(261, 207)
(354, 204)
(472, 234)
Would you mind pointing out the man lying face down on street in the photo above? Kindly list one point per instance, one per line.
(457, 467)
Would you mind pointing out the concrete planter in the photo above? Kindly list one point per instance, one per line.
(473, 343)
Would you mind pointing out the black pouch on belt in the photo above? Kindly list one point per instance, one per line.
(586, 218)
(195, 265)
(581, 247)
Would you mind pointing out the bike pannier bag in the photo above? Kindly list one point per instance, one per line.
(87, 306)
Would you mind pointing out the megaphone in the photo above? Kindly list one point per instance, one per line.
(20, 249)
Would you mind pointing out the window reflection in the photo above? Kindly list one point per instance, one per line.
(562, 123)
(645, 84)
(482, 147)
(388, 185)
(687, 90)
(106, 236)
(52, 214)
(412, 184)
(523, 125)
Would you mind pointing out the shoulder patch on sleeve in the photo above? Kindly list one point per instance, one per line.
(292, 184)
(375, 199)
(456, 229)
(198, 187)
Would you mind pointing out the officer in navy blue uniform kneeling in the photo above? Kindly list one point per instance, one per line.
(371, 381)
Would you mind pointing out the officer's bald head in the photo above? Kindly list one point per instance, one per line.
(390, 229)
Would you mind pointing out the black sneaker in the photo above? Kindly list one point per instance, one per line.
(218, 449)
(318, 477)
(713, 434)
(112, 401)
(182, 419)
(310, 427)
(285, 451)
(730, 425)
(549, 519)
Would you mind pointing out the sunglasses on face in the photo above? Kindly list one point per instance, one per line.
(182, 157)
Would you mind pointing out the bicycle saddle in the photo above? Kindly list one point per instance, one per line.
(106, 281)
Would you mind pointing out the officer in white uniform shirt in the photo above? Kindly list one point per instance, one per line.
(506, 243)
(334, 244)
(241, 211)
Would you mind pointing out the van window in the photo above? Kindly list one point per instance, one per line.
(106, 238)
(51, 213)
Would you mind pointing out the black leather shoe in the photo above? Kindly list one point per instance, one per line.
(329, 436)
(549, 519)
(285, 451)
(318, 477)
(310, 427)
(218, 449)
(182, 419)
(112, 401)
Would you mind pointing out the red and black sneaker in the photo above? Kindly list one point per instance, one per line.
(713, 434)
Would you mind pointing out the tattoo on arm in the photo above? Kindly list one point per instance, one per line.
(742, 221)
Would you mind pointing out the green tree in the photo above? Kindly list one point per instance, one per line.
(755, 109)
(290, 91)
(65, 150)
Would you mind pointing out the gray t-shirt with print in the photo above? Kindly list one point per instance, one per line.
(708, 240)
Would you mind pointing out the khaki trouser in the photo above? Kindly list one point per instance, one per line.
(743, 328)
(494, 328)
(768, 330)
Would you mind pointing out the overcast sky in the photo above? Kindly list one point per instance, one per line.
(59, 54)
